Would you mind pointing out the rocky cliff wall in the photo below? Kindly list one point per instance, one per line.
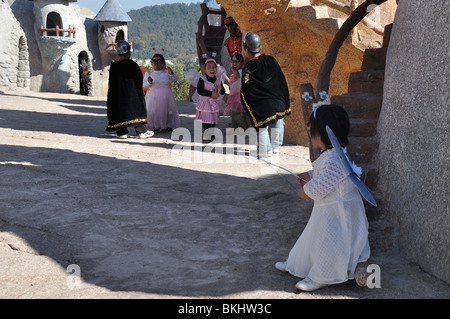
(298, 34)
(414, 132)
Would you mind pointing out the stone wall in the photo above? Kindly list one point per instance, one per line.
(14, 58)
(414, 133)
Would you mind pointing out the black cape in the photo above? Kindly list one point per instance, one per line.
(264, 91)
(126, 102)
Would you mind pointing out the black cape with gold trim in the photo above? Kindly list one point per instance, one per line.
(126, 102)
(264, 91)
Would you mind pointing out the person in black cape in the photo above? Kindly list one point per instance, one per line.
(264, 95)
(126, 102)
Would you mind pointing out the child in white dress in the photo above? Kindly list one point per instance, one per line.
(335, 238)
(162, 109)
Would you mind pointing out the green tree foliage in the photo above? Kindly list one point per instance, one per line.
(168, 26)
(181, 86)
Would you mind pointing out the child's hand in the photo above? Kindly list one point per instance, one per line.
(215, 95)
(303, 178)
(169, 70)
(150, 80)
(303, 195)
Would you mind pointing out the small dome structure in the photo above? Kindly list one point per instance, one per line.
(112, 11)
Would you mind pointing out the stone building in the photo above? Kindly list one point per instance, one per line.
(14, 58)
(112, 27)
(63, 46)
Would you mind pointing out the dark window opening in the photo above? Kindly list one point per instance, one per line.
(53, 20)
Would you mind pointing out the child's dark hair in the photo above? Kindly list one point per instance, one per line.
(336, 118)
(160, 56)
(239, 56)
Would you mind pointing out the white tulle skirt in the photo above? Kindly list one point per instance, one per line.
(162, 109)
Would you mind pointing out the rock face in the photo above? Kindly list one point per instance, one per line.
(14, 61)
(298, 34)
(414, 132)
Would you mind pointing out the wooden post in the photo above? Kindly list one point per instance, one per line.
(323, 78)
(57, 30)
(354, 33)
(308, 99)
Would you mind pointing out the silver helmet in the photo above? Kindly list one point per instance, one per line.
(252, 42)
(122, 47)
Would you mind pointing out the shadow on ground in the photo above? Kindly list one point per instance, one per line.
(131, 224)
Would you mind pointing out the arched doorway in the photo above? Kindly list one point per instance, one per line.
(119, 36)
(85, 73)
(53, 20)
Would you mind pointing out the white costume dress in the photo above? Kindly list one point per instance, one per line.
(162, 109)
(335, 239)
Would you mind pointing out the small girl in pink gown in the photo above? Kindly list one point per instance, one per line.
(209, 88)
(162, 108)
(234, 108)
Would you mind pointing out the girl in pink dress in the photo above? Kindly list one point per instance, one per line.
(162, 109)
(209, 89)
(234, 108)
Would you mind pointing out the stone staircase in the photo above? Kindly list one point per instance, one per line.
(363, 104)
(325, 18)
(210, 35)
(214, 40)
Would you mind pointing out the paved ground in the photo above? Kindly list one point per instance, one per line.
(150, 218)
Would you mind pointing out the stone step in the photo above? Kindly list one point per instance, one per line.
(366, 81)
(360, 104)
(362, 127)
(362, 149)
(299, 3)
(321, 12)
(331, 25)
(369, 175)
(374, 59)
(213, 41)
(308, 11)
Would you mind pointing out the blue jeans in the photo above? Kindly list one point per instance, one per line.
(276, 137)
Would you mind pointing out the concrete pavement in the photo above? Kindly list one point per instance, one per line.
(86, 215)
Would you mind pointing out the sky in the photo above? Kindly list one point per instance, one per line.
(127, 5)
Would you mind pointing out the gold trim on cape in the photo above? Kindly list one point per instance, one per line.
(270, 118)
(127, 122)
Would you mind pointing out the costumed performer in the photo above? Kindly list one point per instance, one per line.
(335, 238)
(125, 100)
(264, 95)
(162, 108)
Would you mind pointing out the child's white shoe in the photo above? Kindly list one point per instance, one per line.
(281, 265)
(309, 285)
(146, 134)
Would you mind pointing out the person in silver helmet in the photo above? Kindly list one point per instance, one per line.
(264, 95)
(125, 100)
